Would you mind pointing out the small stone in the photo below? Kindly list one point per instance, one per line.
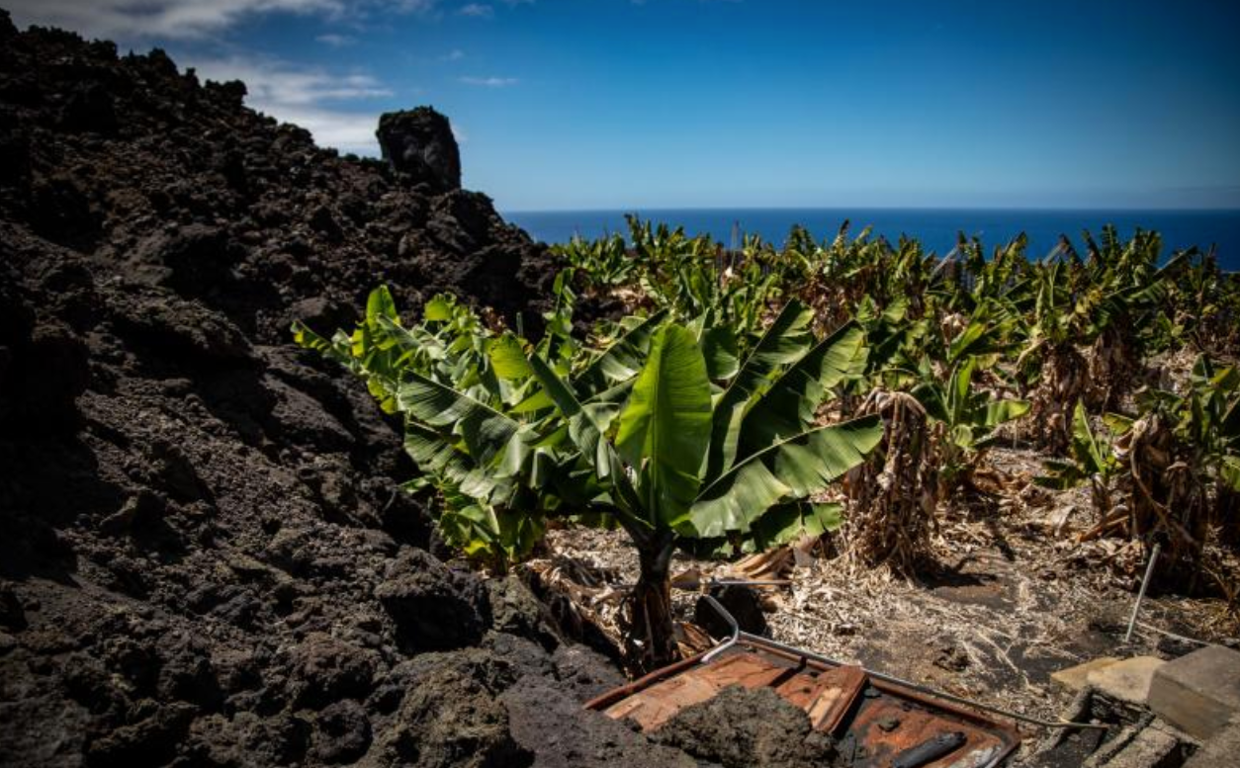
(1128, 680)
(1075, 678)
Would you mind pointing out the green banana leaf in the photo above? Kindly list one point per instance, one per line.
(664, 430)
(621, 361)
(788, 523)
(788, 407)
(787, 340)
(789, 470)
(485, 431)
(584, 431)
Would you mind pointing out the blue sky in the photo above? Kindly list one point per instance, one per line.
(572, 104)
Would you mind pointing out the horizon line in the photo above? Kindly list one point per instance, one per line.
(1030, 208)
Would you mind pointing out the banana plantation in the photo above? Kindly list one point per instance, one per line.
(833, 396)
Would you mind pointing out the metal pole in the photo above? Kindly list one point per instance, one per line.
(1145, 582)
(736, 630)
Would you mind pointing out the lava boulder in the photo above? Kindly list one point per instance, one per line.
(419, 142)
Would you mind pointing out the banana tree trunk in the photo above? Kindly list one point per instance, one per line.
(651, 640)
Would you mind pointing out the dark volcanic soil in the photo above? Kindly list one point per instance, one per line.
(749, 728)
(204, 559)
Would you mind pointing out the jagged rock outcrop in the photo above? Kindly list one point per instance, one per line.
(204, 555)
(419, 142)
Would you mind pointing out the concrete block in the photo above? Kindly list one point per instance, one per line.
(1199, 692)
(1128, 680)
(1222, 750)
(1074, 678)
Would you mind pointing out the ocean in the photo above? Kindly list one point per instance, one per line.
(935, 228)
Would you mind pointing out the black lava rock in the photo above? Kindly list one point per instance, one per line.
(419, 142)
(434, 608)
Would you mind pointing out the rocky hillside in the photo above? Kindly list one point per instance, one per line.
(204, 558)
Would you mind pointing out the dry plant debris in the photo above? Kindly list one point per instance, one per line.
(1011, 596)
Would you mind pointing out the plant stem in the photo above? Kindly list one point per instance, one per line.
(651, 640)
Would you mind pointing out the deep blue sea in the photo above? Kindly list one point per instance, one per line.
(935, 228)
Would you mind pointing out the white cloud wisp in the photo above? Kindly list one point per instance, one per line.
(490, 82)
(307, 97)
(477, 11)
(128, 20)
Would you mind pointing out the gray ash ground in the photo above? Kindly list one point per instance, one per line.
(204, 558)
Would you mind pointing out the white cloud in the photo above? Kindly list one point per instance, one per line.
(490, 82)
(176, 19)
(478, 11)
(183, 19)
(336, 41)
(311, 98)
(276, 82)
(334, 107)
(456, 54)
(345, 131)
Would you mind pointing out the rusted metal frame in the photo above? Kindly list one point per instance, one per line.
(1008, 737)
(923, 696)
(883, 682)
(992, 740)
(906, 686)
(738, 635)
(611, 697)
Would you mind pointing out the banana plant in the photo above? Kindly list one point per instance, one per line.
(1202, 307)
(450, 369)
(687, 458)
(667, 433)
(558, 342)
(968, 415)
(605, 263)
(1206, 422)
(1175, 467)
(1092, 460)
(695, 278)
